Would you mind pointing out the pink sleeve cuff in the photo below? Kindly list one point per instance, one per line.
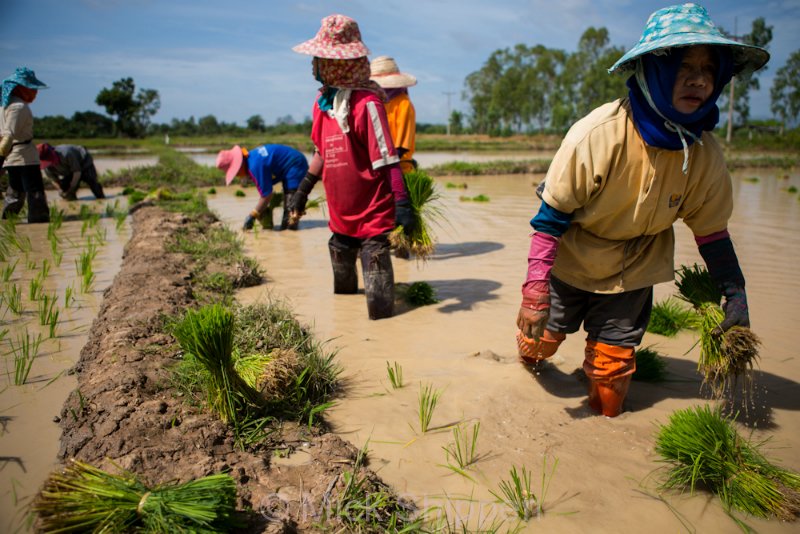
(710, 238)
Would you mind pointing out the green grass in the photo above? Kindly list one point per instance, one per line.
(703, 450)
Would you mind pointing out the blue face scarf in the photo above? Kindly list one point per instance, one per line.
(659, 73)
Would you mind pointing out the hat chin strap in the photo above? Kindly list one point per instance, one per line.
(668, 124)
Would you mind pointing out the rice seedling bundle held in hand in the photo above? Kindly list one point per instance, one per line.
(83, 498)
(424, 198)
(703, 449)
(725, 357)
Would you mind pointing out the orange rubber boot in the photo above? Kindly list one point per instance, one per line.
(609, 369)
(606, 397)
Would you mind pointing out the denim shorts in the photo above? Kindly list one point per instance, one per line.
(618, 319)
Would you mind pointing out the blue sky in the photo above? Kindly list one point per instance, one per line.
(233, 59)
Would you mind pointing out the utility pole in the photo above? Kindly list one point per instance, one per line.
(729, 134)
(448, 94)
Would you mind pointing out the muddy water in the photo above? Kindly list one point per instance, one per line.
(464, 347)
(29, 435)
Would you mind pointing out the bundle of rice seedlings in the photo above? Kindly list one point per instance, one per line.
(273, 374)
(703, 449)
(424, 206)
(669, 317)
(418, 294)
(207, 335)
(83, 498)
(650, 366)
(724, 358)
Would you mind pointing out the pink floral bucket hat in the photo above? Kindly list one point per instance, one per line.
(338, 38)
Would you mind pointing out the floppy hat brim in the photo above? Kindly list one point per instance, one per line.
(394, 80)
(746, 58)
(312, 47)
(236, 163)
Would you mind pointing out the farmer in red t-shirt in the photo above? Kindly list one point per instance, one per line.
(358, 164)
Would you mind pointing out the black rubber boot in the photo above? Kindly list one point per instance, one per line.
(38, 210)
(376, 263)
(13, 202)
(345, 277)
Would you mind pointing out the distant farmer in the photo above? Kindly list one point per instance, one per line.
(399, 110)
(358, 163)
(17, 153)
(266, 165)
(603, 235)
(68, 166)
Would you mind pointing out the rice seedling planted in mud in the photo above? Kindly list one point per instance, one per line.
(25, 351)
(367, 505)
(8, 271)
(702, 449)
(35, 288)
(518, 495)
(13, 298)
(426, 210)
(83, 498)
(418, 294)
(463, 449)
(240, 193)
(428, 398)
(69, 296)
(395, 373)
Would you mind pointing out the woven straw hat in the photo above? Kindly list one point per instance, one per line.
(338, 38)
(688, 25)
(383, 70)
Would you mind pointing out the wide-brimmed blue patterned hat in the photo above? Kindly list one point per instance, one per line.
(687, 25)
(22, 76)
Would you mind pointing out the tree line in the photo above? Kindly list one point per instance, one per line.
(519, 90)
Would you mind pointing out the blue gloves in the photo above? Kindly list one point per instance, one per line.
(250, 220)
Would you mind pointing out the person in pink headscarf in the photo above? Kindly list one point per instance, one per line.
(358, 164)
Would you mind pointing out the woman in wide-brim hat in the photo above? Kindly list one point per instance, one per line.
(621, 178)
(400, 110)
(358, 164)
(18, 154)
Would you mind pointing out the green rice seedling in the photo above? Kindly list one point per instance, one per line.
(212, 191)
(315, 202)
(13, 298)
(463, 449)
(650, 366)
(46, 303)
(669, 317)
(83, 498)
(45, 268)
(240, 193)
(31, 264)
(52, 321)
(702, 449)
(35, 288)
(418, 294)
(365, 505)
(84, 213)
(792, 189)
(751, 179)
(696, 286)
(119, 218)
(87, 279)
(426, 210)
(451, 185)
(8, 271)
(69, 296)
(207, 335)
(56, 219)
(428, 398)
(517, 493)
(25, 351)
(395, 373)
